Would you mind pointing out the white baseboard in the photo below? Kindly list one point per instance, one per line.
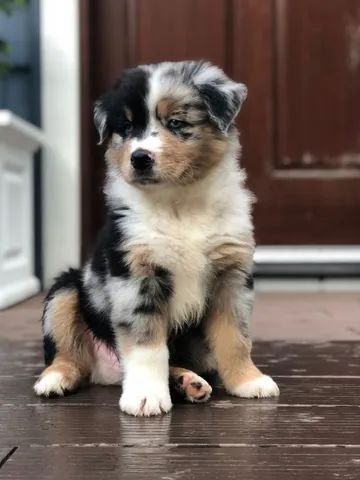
(307, 254)
(308, 260)
(304, 285)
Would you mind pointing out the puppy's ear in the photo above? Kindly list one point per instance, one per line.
(100, 120)
(223, 97)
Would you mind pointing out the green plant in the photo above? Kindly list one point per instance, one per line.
(7, 6)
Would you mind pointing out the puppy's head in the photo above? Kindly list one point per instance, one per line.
(168, 123)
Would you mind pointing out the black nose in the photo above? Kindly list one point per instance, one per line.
(141, 159)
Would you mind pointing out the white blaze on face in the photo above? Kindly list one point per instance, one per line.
(152, 143)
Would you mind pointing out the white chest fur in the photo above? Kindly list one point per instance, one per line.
(180, 244)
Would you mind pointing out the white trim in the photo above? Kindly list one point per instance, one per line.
(17, 291)
(307, 254)
(18, 141)
(274, 284)
(60, 81)
(16, 131)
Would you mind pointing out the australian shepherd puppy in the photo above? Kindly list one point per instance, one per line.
(167, 294)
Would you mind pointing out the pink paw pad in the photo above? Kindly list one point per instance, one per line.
(196, 389)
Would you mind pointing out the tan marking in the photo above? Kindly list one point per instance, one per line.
(69, 333)
(232, 255)
(184, 161)
(231, 351)
(165, 107)
(139, 260)
(119, 159)
(177, 372)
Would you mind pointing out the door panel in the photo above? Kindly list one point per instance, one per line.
(301, 126)
(317, 84)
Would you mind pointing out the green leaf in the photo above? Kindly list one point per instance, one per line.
(5, 48)
(7, 6)
(4, 68)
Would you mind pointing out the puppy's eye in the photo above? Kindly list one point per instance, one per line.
(175, 124)
(128, 127)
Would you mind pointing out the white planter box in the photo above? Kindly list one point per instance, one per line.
(18, 142)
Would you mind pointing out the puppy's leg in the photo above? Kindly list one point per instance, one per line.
(145, 360)
(142, 339)
(193, 387)
(226, 329)
(67, 350)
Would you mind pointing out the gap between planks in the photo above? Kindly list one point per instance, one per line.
(7, 456)
(191, 445)
(217, 404)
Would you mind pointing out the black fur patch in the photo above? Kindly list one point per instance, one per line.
(69, 280)
(129, 91)
(49, 349)
(97, 321)
(108, 256)
(164, 284)
(218, 103)
(99, 260)
(149, 307)
(249, 282)
(154, 291)
(187, 347)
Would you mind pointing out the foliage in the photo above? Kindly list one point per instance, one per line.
(7, 6)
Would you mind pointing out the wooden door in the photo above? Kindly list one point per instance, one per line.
(301, 123)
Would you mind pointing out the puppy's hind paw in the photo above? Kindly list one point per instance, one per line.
(193, 387)
(50, 384)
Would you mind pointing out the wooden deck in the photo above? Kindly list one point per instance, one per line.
(311, 432)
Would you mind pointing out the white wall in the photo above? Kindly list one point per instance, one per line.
(60, 77)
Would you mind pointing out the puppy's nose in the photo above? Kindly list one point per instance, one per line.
(141, 159)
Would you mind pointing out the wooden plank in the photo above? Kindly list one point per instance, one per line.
(331, 358)
(206, 425)
(294, 391)
(182, 463)
(275, 358)
(310, 349)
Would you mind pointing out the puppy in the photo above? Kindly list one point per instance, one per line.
(169, 282)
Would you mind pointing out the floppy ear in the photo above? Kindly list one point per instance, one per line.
(100, 120)
(223, 97)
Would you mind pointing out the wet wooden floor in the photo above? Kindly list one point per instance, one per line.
(311, 432)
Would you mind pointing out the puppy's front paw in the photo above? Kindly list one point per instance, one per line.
(143, 402)
(261, 387)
